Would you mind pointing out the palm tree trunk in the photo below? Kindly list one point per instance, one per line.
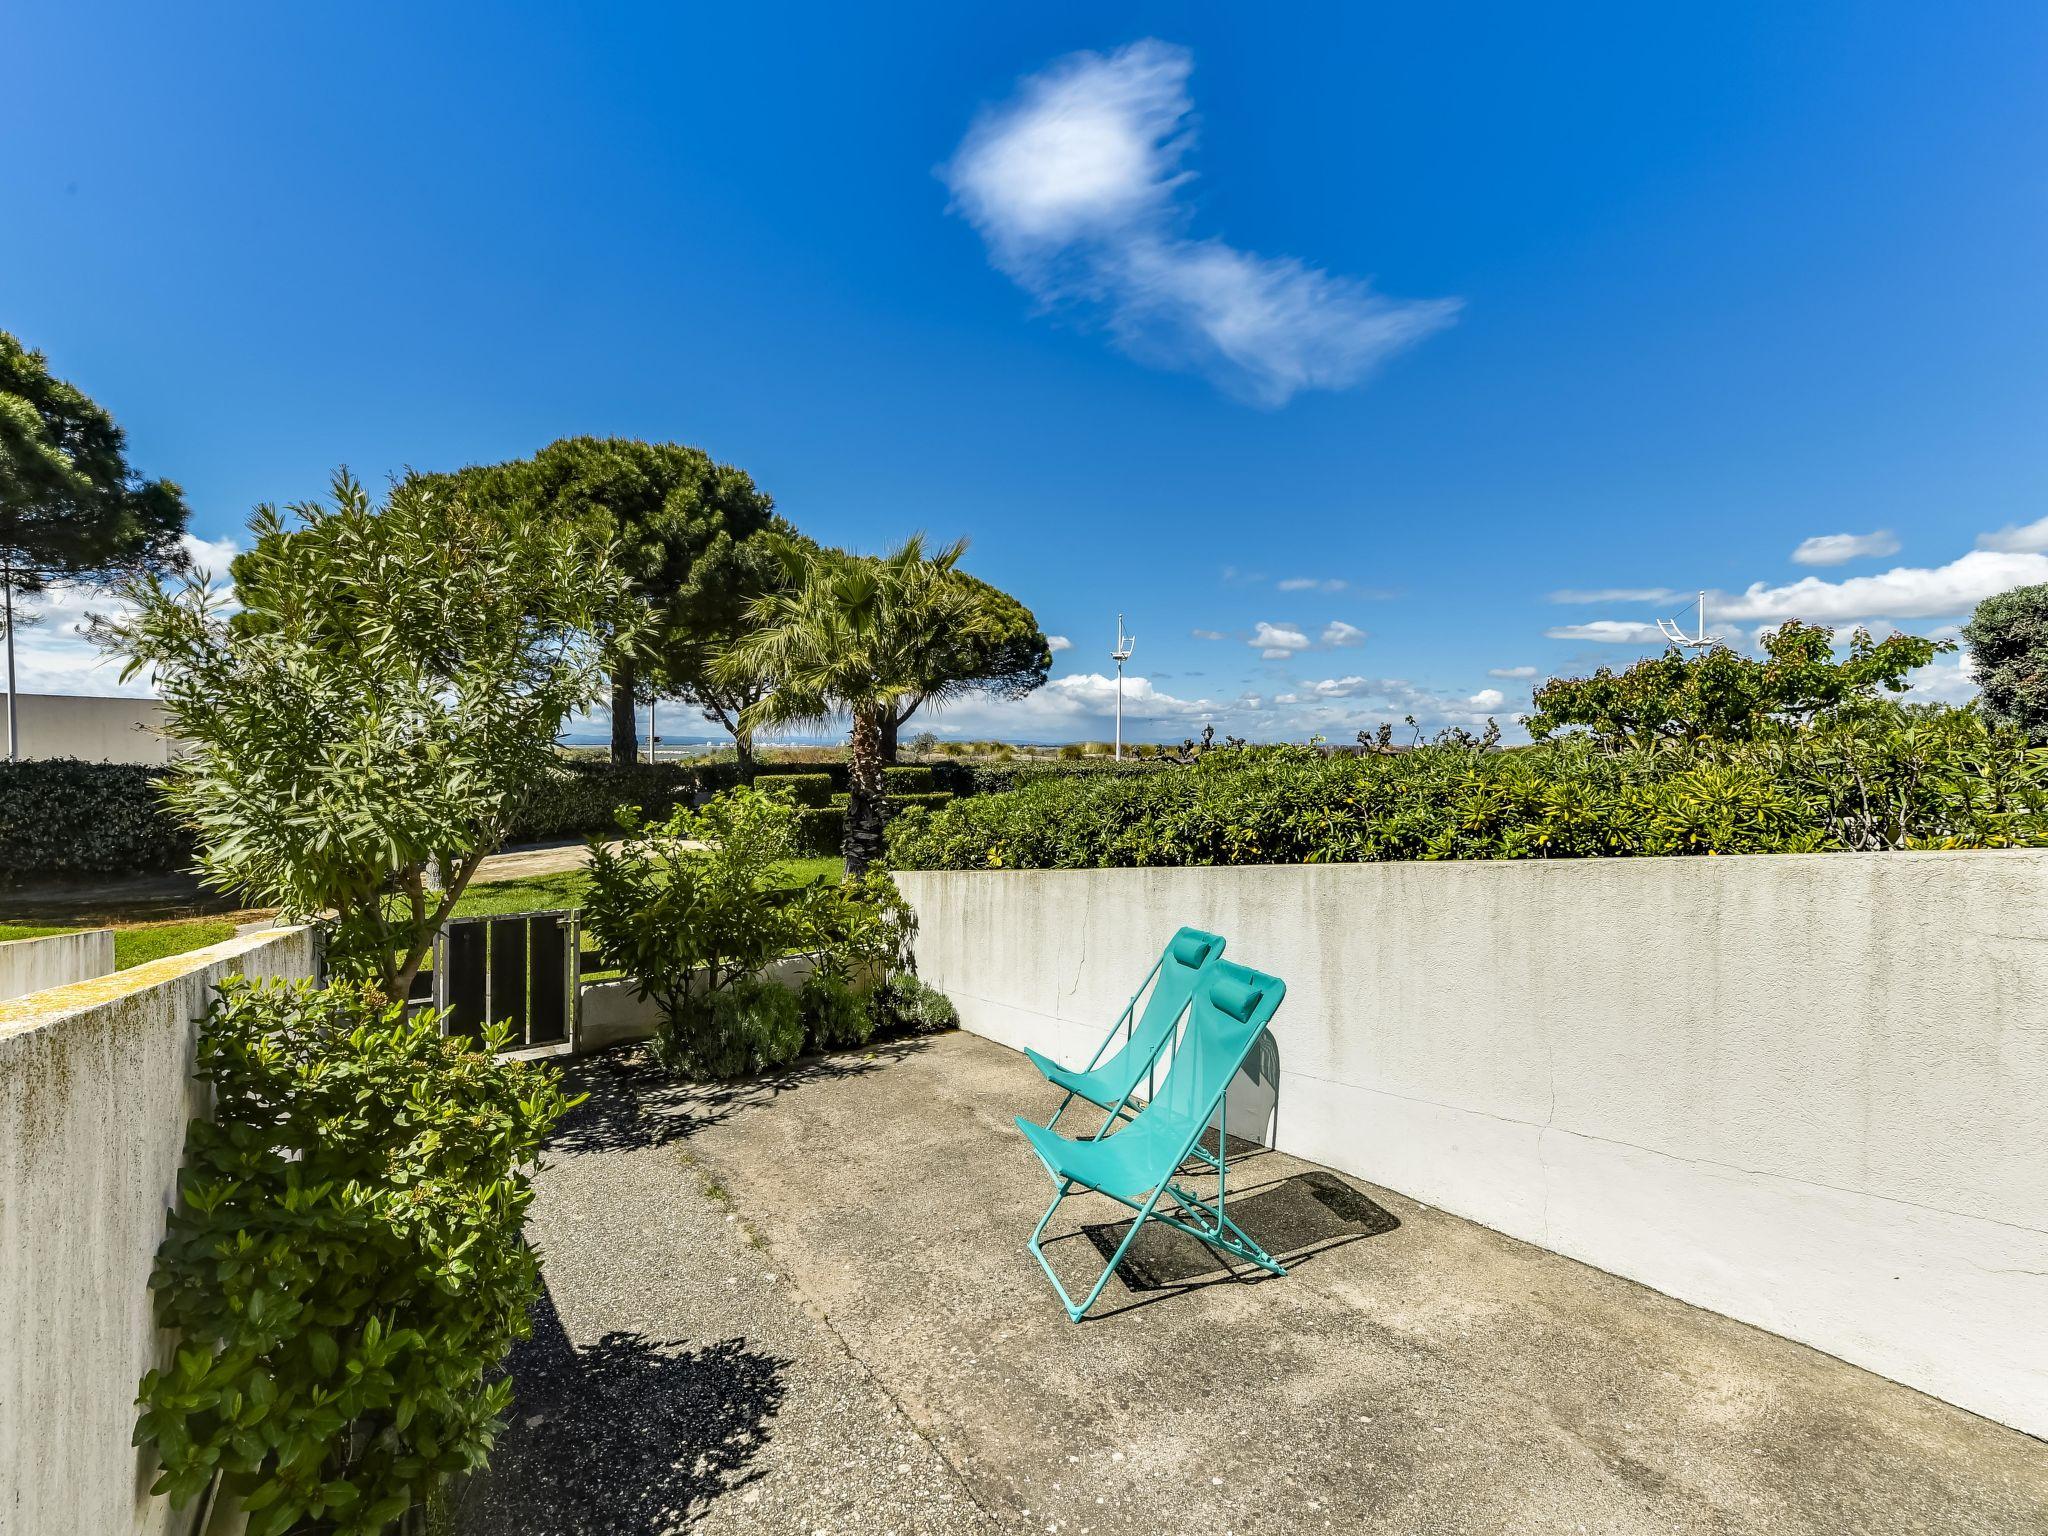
(625, 723)
(865, 807)
(889, 726)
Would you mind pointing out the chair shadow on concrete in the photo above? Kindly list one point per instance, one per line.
(628, 1435)
(631, 1104)
(1296, 1219)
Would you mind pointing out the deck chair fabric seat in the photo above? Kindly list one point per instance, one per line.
(1135, 1166)
(1110, 1084)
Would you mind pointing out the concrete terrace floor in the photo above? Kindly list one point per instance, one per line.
(804, 1305)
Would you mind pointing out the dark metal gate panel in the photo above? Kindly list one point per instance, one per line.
(520, 970)
(548, 979)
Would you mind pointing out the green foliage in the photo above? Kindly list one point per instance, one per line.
(70, 505)
(856, 633)
(1003, 653)
(696, 907)
(689, 534)
(2008, 640)
(1881, 777)
(575, 797)
(379, 707)
(805, 790)
(1072, 752)
(835, 1012)
(60, 817)
(1722, 695)
(344, 1268)
(907, 780)
(821, 830)
(905, 1005)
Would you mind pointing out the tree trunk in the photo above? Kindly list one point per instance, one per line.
(889, 726)
(625, 721)
(743, 754)
(865, 806)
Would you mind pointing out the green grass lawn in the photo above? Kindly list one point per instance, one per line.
(138, 943)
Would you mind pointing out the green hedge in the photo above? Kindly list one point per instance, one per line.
(964, 779)
(583, 796)
(822, 830)
(907, 779)
(804, 789)
(1897, 777)
(62, 817)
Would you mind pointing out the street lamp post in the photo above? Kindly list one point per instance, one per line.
(1125, 644)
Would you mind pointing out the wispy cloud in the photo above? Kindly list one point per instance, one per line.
(2025, 539)
(1614, 595)
(1511, 672)
(1337, 632)
(1058, 643)
(1840, 548)
(1078, 184)
(1312, 584)
(1208, 634)
(1607, 632)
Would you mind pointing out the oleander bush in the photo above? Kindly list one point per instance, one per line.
(1885, 776)
(344, 1269)
(61, 817)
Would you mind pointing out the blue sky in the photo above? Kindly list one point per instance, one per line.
(1375, 328)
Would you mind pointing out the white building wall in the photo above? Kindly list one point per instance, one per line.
(94, 730)
(96, 1089)
(1809, 1092)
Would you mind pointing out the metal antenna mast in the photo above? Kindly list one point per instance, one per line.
(1125, 644)
(1674, 631)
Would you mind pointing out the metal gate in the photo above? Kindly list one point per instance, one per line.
(522, 969)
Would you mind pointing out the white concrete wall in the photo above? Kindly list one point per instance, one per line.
(95, 730)
(96, 1089)
(1810, 1092)
(35, 965)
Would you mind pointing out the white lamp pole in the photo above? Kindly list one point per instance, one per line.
(1125, 644)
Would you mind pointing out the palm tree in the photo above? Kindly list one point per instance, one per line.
(854, 633)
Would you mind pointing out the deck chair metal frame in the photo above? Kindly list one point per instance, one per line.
(1209, 1010)
(1187, 945)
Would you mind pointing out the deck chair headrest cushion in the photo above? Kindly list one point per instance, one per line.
(1235, 998)
(1191, 951)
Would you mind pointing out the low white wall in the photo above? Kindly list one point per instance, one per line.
(95, 730)
(96, 1089)
(1809, 1092)
(35, 965)
(610, 1013)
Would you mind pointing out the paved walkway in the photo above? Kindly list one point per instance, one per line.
(908, 1369)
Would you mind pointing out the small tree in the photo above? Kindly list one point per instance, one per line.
(71, 509)
(858, 634)
(2008, 640)
(389, 690)
(1005, 656)
(1721, 695)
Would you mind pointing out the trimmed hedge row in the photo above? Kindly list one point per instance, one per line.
(64, 817)
(1896, 778)
(821, 830)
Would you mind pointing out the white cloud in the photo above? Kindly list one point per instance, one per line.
(1277, 638)
(1607, 632)
(1614, 595)
(1208, 634)
(1312, 584)
(1340, 687)
(1337, 632)
(1487, 698)
(1511, 672)
(1077, 186)
(2025, 539)
(1839, 548)
(1906, 592)
(1058, 643)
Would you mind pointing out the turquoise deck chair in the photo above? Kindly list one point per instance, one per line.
(1135, 1166)
(1110, 1084)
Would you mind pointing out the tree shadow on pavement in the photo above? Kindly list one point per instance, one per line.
(632, 1104)
(628, 1436)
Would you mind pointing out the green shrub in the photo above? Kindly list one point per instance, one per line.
(907, 780)
(750, 1025)
(1885, 776)
(344, 1268)
(904, 1005)
(61, 817)
(807, 790)
(582, 796)
(835, 1012)
(1072, 752)
(821, 832)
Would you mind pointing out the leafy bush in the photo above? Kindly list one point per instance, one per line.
(1884, 776)
(693, 909)
(907, 779)
(63, 817)
(904, 1005)
(344, 1266)
(807, 790)
(821, 832)
(2008, 639)
(581, 796)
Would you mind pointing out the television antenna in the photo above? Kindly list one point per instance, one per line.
(1674, 631)
(1125, 644)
